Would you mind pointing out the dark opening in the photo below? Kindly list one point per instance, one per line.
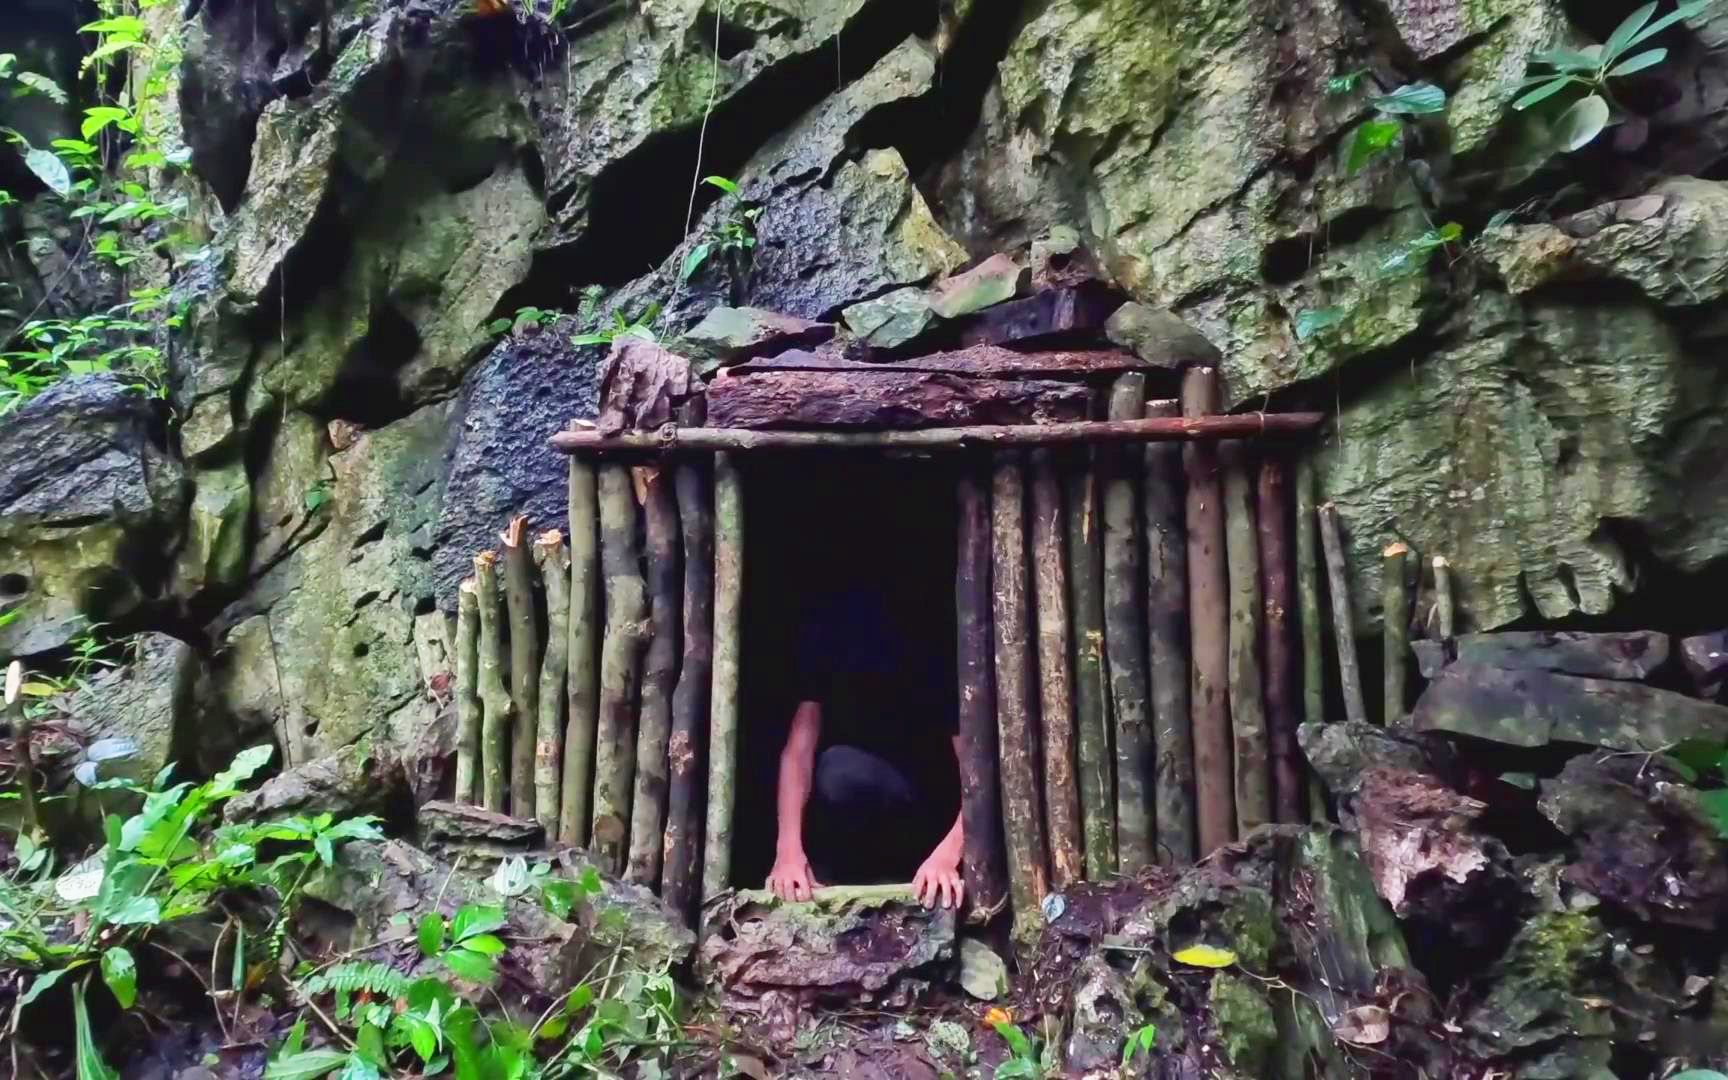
(849, 567)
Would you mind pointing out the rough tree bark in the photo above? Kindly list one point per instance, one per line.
(659, 680)
(1167, 642)
(553, 558)
(467, 693)
(680, 878)
(620, 668)
(980, 809)
(1338, 582)
(1247, 700)
(1208, 622)
(495, 702)
(1055, 687)
(1308, 603)
(729, 534)
(1091, 679)
(524, 665)
(1125, 641)
(1395, 624)
(584, 648)
(1276, 580)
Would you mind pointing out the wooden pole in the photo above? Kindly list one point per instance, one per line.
(1016, 723)
(467, 694)
(495, 703)
(659, 679)
(524, 665)
(681, 882)
(1395, 626)
(19, 720)
(729, 535)
(1445, 611)
(553, 559)
(1349, 670)
(980, 809)
(1167, 642)
(1308, 604)
(584, 647)
(1097, 762)
(1277, 574)
(1247, 688)
(1208, 622)
(1056, 689)
(1186, 428)
(620, 668)
(1125, 642)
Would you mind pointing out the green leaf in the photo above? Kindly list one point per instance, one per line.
(1715, 806)
(124, 25)
(1568, 60)
(325, 849)
(107, 49)
(136, 911)
(474, 919)
(1698, 1074)
(98, 119)
(120, 972)
(1205, 956)
(1343, 84)
(50, 170)
(430, 934)
(489, 944)
(560, 897)
(1140, 1041)
(43, 85)
(1018, 1044)
(358, 1067)
(723, 184)
(498, 326)
(244, 766)
(306, 1065)
(1579, 125)
(1414, 99)
(1621, 39)
(1684, 11)
(1313, 321)
(90, 1063)
(1373, 138)
(694, 260)
(1542, 93)
(472, 966)
(42, 984)
(1639, 63)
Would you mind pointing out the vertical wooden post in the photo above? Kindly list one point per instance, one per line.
(1091, 678)
(553, 558)
(681, 878)
(1349, 670)
(1056, 689)
(1308, 601)
(1167, 643)
(620, 667)
(467, 693)
(1277, 575)
(1125, 639)
(659, 678)
(1247, 690)
(1017, 729)
(980, 808)
(524, 665)
(1445, 610)
(729, 532)
(584, 646)
(1208, 621)
(1395, 625)
(495, 700)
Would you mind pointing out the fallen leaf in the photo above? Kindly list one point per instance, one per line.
(1205, 956)
(1365, 1025)
(997, 1015)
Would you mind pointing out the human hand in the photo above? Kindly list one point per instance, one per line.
(937, 882)
(791, 878)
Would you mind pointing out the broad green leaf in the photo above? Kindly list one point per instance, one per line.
(488, 944)
(430, 934)
(559, 897)
(1311, 322)
(305, 1065)
(50, 170)
(1140, 1041)
(107, 49)
(357, 1067)
(694, 260)
(1684, 11)
(42, 984)
(1542, 93)
(1206, 956)
(1018, 1044)
(472, 966)
(1715, 805)
(244, 766)
(43, 85)
(1568, 60)
(124, 25)
(136, 911)
(1579, 125)
(723, 184)
(89, 1059)
(98, 119)
(1621, 39)
(1414, 99)
(120, 972)
(1638, 63)
(421, 1037)
(1373, 137)
(325, 849)
(511, 878)
(474, 919)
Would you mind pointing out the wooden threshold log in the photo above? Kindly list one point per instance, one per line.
(620, 668)
(1055, 684)
(681, 875)
(553, 558)
(1308, 619)
(468, 712)
(1198, 428)
(980, 808)
(524, 664)
(1277, 574)
(495, 702)
(1247, 686)
(1208, 622)
(729, 533)
(983, 361)
(1395, 630)
(1445, 608)
(887, 399)
(1338, 584)
(1125, 641)
(1096, 760)
(1016, 705)
(659, 677)
(584, 648)
(1167, 644)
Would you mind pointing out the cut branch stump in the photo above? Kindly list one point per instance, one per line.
(468, 713)
(584, 649)
(553, 559)
(1167, 642)
(1208, 622)
(620, 668)
(1125, 641)
(981, 822)
(729, 526)
(659, 679)
(524, 665)
(1055, 686)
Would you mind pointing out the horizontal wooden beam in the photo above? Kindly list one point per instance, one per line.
(1159, 429)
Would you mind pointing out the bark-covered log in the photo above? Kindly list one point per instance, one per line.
(1445, 607)
(467, 694)
(584, 648)
(888, 399)
(1016, 705)
(659, 679)
(729, 535)
(980, 809)
(1338, 583)
(1167, 643)
(1125, 641)
(620, 668)
(1247, 685)
(681, 878)
(1096, 760)
(1277, 573)
(978, 361)
(1208, 622)
(524, 665)
(1308, 603)
(553, 558)
(495, 703)
(1055, 685)
(1395, 627)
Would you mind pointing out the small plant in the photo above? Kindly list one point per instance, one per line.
(526, 318)
(734, 239)
(1140, 1044)
(1385, 130)
(641, 326)
(1592, 68)
(1024, 1062)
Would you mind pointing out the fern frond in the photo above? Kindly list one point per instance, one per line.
(380, 980)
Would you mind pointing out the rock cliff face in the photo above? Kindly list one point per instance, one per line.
(1542, 400)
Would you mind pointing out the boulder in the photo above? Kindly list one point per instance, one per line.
(91, 506)
(1632, 655)
(1705, 657)
(145, 704)
(1535, 708)
(363, 778)
(993, 281)
(457, 828)
(1545, 1009)
(1160, 338)
(1341, 753)
(890, 320)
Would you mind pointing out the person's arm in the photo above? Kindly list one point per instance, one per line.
(791, 878)
(939, 880)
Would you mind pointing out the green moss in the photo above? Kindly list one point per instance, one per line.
(1245, 1023)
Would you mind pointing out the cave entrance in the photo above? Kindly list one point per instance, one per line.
(849, 599)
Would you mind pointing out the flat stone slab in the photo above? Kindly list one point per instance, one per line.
(993, 281)
(1535, 708)
(1070, 314)
(1606, 656)
(888, 399)
(729, 335)
(981, 361)
(1160, 337)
